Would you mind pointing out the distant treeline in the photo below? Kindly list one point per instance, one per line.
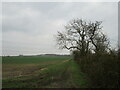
(40, 55)
(53, 55)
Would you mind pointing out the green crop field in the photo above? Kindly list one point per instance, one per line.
(41, 72)
(32, 59)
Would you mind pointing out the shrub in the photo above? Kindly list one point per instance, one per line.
(102, 69)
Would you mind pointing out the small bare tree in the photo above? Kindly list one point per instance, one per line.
(82, 36)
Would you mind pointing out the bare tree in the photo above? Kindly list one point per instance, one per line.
(82, 36)
(97, 38)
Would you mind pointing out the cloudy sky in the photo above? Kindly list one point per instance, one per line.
(29, 28)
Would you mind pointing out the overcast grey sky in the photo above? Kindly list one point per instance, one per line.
(29, 28)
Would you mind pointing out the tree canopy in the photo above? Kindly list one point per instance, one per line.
(83, 36)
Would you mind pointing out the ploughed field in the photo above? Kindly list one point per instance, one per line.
(41, 72)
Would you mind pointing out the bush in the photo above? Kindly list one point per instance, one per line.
(102, 69)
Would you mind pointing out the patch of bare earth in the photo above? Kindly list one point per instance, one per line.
(15, 70)
(18, 70)
(66, 61)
